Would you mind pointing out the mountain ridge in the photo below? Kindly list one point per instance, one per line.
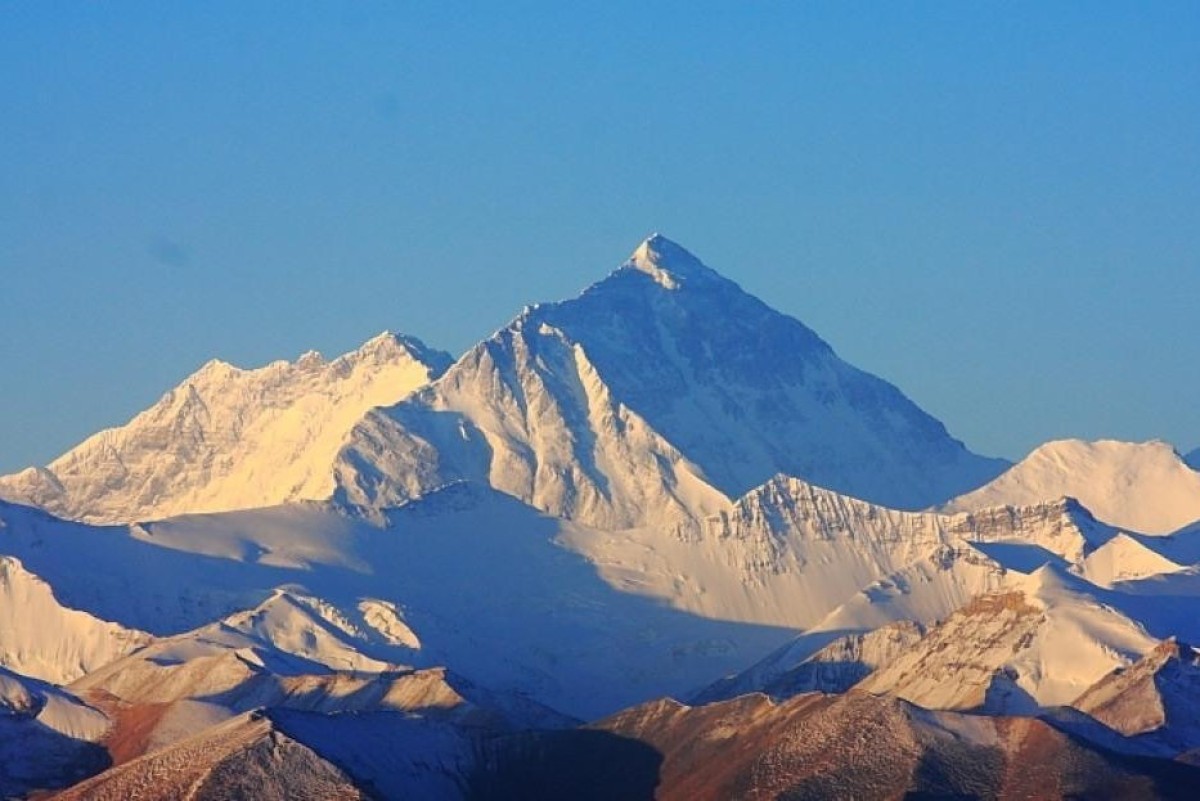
(228, 438)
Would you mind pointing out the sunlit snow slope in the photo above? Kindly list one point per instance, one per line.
(228, 438)
(41, 638)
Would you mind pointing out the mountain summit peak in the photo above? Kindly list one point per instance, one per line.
(667, 262)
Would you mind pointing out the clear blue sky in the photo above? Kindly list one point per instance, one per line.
(995, 206)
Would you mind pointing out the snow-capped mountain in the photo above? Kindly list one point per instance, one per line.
(466, 578)
(1128, 557)
(659, 392)
(801, 556)
(1055, 552)
(228, 438)
(577, 618)
(1192, 459)
(290, 652)
(1143, 487)
(615, 498)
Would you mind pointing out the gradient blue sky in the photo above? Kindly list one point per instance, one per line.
(994, 206)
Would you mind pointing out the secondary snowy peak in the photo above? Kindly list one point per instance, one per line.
(1038, 644)
(41, 638)
(228, 438)
(1192, 459)
(1144, 487)
(657, 393)
(792, 554)
(304, 627)
(787, 509)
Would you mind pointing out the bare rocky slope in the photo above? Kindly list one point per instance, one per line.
(816, 746)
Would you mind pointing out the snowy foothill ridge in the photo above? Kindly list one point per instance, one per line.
(1156, 700)
(48, 737)
(580, 619)
(1041, 643)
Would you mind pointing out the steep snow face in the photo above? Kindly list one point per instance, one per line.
(41, 638)
(527, 413)
(659, 391)
(1041, 643)
(1143, 487)
(228, 438)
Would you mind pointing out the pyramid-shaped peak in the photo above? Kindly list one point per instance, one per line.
(668, 262)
